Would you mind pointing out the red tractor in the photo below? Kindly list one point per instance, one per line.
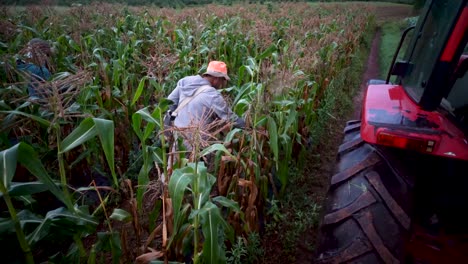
(400, 192)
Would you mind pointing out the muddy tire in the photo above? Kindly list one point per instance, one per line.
(366, 218)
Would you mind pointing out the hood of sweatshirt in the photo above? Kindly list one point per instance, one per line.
(188, 85)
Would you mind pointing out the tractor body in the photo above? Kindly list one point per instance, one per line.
(426, 109)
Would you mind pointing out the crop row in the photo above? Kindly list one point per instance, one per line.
(97, 149)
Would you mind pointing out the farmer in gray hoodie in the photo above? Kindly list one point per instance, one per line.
(203, 102)
(199, 108)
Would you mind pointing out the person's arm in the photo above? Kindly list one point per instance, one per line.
(174, 97)
(222, 110)
(37, 75)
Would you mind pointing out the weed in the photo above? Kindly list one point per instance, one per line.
(238, 252)
(246, 250)
(274, 212)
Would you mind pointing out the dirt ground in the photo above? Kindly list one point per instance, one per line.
(323, 162)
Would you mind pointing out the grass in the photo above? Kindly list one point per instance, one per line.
(391, 35)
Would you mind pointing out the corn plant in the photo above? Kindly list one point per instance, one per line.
(88, 129)
(150, 154)
(76, 221)
(202, 214)
(283, 60)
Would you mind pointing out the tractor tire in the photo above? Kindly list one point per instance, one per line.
(366, 216)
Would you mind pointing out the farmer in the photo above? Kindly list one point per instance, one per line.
(198, 104)
(36, 66)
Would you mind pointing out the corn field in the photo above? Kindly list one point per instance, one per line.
(87, 173)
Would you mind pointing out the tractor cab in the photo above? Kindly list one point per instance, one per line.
(426, 109)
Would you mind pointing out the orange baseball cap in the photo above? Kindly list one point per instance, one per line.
(217, 69)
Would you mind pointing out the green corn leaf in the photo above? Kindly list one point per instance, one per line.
(214, 148)
(178, 183)
(205, 182)
(146, 115)
(61, 217)
(298, 73)
(121, 215)
(261, 121)
(110, 242)
(84, 132)
(42, 21)
(273, 133)
(89, 128)
(151, 125)
(163, 104)
(83, 155)
(284, 103)
(230, 136)
(62, 75)
(286, 141)
(33, 30)
(74, 222)
(249, 70)
(143, 175)
(105, 131)
(154, 214)
(212, 222)
(138, 42)
(74, 45)
(292, 119)
(156, 155)
(4, 105)
(6, 226)
(136, 124)
(228, 203)
(116, 72)
(244, 90)
(41, 121)
(203, 50)
(148, 130)
(252, 65)
(267, 53)
(180, 35)
(27, 217)
(241, 106)
(241, 75)
(29, 159)
(8, 165)
(139, 90)
(40, 232)
(27, 188)
(73, 255)
(26, 199)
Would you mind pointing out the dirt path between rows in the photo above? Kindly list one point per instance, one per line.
(372, 72)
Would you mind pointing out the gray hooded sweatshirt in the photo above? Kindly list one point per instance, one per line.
(207, 106)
